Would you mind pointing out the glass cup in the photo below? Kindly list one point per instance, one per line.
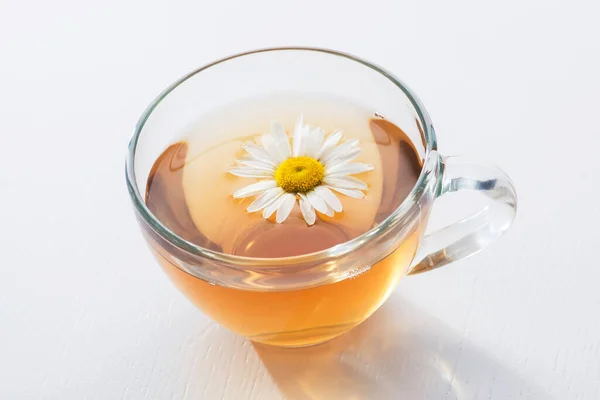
(307, 299)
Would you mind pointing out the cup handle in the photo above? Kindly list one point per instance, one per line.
(470, 235)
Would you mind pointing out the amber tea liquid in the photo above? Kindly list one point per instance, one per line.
(190, 191)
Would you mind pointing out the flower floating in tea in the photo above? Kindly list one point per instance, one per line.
(305, 172)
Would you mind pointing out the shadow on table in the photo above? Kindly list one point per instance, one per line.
(399, 353)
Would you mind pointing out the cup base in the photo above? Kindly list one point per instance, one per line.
(303, 338)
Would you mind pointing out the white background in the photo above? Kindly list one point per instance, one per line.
(85, 312)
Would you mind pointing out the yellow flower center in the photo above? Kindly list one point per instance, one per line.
(299, 174)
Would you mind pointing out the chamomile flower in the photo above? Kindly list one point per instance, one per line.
(307, 171)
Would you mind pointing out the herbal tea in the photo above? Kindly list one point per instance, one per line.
(283, 176)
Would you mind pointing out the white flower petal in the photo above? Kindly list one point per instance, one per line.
(344, 158)
(275, 147)
(314, 140)
(256, 164)
(357, 194)
(329, 197)
(271, 208)
(247, 172)
(254, 189)
(265, 199)
(266, 141)
(329, 143)
(259, 153)
(297, 139)
(308, 212)
(339, 150)
(348, 169)
(317, 201)
(300, 132)
(330, 212)
(344, 182)
(283, 142)
(277, 130)
(285, 208)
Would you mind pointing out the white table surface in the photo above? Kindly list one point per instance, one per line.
(85, 312)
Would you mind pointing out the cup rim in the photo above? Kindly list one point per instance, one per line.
(243, 262)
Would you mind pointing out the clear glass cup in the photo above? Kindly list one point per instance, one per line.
(308, 299)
